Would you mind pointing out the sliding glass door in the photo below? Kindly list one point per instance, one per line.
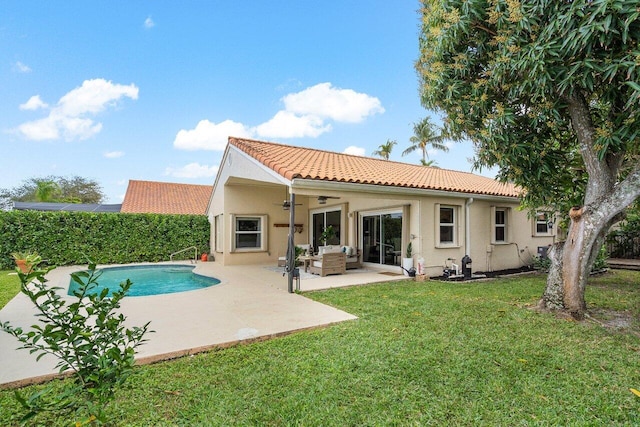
(382, 238)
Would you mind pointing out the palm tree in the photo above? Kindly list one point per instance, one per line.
(385, 149)
(46, 191)
(425, 136)
(431, 163)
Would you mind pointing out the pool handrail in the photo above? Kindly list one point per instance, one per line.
(195, 253)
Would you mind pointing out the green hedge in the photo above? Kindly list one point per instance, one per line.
(67, 238)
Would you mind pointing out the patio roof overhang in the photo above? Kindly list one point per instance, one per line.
(311, 187)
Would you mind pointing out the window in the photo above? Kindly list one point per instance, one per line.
(500, 225)
(447, 218)
(248, 233)
(322, 219)
(542, 225)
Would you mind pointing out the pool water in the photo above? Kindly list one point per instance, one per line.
(150, 279)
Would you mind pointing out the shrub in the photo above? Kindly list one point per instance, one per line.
(87, 336)
(67, 238)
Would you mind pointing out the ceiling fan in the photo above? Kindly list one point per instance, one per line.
(322, 200)
(286, 203)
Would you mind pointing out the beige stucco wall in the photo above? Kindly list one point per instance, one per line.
(422, 223)
(261, 192)
(259, 200)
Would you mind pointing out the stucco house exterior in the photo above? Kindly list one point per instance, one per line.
(374, 205)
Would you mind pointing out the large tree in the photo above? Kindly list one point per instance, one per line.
(54, 189)
(549, 92)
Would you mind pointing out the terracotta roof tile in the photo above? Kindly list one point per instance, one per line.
(299, 162)
(166, 198)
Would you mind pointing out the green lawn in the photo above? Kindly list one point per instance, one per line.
(9, 286)
(427, 353)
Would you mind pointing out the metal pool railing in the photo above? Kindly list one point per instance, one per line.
(195, 253)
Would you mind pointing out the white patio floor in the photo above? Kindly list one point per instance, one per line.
(250, 303)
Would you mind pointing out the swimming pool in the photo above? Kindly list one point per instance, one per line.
(150, 279)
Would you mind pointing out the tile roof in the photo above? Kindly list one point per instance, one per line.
(166, 198)
(307, 163)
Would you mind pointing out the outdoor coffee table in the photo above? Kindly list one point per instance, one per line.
(306, 260)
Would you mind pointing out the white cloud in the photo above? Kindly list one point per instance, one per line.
(341, 105)
(113, 154)
(148, 23)
(192, 170)
(210, 136)
(288, 125)
(34, 103)
(94, 96)
(353, 150)
(306, 114)
(39, 130)
(68, 117)
(21, 68)
(307, 111)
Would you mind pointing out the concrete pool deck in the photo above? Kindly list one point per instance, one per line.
(250, 303)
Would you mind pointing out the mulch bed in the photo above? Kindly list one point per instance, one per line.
(477, 275)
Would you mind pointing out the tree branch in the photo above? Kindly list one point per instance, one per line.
(602, 174)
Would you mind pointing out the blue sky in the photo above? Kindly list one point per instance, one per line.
(150, 90)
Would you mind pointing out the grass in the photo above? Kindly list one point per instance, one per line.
(428, 353)
(9, 286)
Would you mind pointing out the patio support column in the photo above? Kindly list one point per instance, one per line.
(467, 226)
(291, 249)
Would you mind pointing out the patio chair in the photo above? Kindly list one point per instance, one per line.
(353, 257)
(329, 263)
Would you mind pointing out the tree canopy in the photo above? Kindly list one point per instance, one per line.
(426, 135)
(514, 77)
(75, 189)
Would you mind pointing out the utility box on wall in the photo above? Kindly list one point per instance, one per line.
(542, 251)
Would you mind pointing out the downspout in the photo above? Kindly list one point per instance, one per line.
(467, 226)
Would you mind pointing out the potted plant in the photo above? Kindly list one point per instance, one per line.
(299, 252)
(407, 261)
(25, 260)
(327, 234)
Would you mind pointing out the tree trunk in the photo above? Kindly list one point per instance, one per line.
(570, 266)
(571, 261)
(606, 196)
(553, 297)
(575, 262)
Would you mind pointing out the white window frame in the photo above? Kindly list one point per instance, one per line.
(262, 230)
(403, 211)
(325, 210)
(454, 225)
(495, 225)
(537, 220)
